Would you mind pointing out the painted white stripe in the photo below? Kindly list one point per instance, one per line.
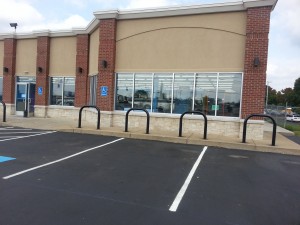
(33, 135)
(59, 160)
(184, 187)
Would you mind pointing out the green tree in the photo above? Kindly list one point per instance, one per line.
(297, 92)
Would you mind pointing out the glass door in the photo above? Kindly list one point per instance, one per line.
(21, 95)
(25, 98)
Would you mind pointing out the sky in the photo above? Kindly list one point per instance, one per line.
(284, 38)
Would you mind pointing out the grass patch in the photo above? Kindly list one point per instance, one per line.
(295, 128)
(297, 133)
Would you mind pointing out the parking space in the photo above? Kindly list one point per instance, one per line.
(66, 178)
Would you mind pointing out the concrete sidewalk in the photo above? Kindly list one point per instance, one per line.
(283, 144)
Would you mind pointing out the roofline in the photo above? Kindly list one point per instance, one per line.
(241, 5)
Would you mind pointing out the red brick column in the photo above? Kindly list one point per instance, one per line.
(42, 77)
(107, 53)
(82, 63)
(254, 86)
(10, 47)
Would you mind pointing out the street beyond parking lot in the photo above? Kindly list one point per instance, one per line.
(66, 178)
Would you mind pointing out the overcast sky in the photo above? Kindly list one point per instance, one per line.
(284, 44)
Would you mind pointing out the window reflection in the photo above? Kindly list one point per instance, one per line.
(124, 91)
(205, 93)
(183, 92)
(229, 92)
(162, 93)
(216, 94)
(142, 91)
(62, 91)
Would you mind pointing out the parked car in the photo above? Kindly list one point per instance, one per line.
(293, 117)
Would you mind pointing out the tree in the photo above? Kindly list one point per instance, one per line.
(297, 91)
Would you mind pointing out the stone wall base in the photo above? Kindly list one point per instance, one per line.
(223, 126)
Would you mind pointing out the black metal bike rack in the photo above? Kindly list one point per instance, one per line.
(89, 106)
(195, 112)
(260, 115)
(4, 111)
(148, 119)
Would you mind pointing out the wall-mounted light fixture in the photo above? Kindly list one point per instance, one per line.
(40, 69)
(5, 70)
(104, 63)
(256, 62)
(79, 70)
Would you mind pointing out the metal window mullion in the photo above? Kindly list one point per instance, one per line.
(216, 100)
(172, 93)
(194, 92)
(152, 92)
(62, 91)
(133, 88)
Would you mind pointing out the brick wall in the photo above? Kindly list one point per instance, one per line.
(42, 78)
(10, 47)
(82, 61)
(107, 52)
(257, 31)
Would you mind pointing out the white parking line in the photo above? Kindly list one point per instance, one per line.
(14, 138)
(59, 160)
(184, 187)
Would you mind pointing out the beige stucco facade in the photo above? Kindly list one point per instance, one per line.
(62, 56)
(26, 57)
(94, 52)
(202, 43)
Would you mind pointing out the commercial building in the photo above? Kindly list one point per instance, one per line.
(209, 58)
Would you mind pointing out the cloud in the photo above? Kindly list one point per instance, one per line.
(21, 12)
(134, 4)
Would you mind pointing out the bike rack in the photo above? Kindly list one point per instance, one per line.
(196, 112)
(148, 119)
(89, 106)
(4, 111)
(260, 115)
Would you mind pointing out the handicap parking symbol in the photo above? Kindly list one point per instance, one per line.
(104, 90)
(40, 90)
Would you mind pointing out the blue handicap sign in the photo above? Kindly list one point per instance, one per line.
(104, 90)
(40, 90)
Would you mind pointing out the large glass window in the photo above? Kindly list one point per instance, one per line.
(1, 88)
(162, 93)
(229, 93)
(205, 93)
(215, 94)
(142, 91)
(62, 91)
(124, 84)
(93, 89)
(183, 92)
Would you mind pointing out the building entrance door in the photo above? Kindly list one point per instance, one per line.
(25, 97)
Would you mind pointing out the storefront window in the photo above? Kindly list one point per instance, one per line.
(93, 89)
(62, 91)
(205, 93)
(162, 93)
(183, 92)
(142, 91)
(1, 88)
(124, 84)
(215, 94)
(229, 93)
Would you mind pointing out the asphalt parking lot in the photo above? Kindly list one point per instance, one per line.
(65, 178)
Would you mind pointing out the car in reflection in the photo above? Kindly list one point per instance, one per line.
(293, 117)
